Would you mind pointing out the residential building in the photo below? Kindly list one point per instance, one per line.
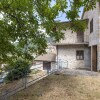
(74, 49)
(82, 50)
(93, 32)
(46, 62)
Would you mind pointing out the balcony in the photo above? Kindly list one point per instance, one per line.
(74, 41)
(73, 38)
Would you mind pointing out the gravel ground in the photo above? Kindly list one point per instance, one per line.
(73, 72)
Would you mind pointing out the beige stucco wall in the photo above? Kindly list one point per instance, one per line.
(68, 53)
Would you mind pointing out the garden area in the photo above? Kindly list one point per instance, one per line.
(20, 76)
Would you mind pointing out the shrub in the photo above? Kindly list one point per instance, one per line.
(20, 69)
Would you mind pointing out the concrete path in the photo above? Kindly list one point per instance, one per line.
(73, 72)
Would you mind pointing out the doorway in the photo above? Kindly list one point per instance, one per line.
(94, 58)
(47, 66)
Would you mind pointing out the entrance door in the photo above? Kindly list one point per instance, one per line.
(94, 58)
(47, 66)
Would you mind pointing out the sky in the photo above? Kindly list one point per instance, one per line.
(62, 17)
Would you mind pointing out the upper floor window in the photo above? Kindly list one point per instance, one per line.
(80, 55)
(91, 26)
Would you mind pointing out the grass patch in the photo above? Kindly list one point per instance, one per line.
(62, 87)
(35, 71)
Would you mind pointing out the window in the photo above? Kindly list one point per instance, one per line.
(80, 55)
(91, 26)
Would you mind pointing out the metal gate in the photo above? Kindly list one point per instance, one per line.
(62, 63)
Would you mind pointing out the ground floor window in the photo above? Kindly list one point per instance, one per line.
(80, 55)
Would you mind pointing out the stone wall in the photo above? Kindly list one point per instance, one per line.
(93, 14)
(51, 49)
(72, 37)
(94, 37)
(98, 46)
(69, 37)
(68, 53)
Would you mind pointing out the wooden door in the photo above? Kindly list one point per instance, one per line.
(94, 58)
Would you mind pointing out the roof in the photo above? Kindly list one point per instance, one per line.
(46, 57)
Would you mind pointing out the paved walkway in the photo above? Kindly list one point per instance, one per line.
(73, 72)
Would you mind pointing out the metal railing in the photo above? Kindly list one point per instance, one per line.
(37, 73)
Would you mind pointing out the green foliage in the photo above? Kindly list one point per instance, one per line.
(20, 34)
(20, 69)
(78, 25)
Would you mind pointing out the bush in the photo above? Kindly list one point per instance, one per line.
(20, 69)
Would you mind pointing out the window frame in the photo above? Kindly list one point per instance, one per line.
(80, 53)
(91, 26)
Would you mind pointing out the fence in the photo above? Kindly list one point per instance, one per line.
(62, 64)
(37, 73)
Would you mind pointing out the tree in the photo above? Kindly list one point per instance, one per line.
(21, 21)
(17, 70)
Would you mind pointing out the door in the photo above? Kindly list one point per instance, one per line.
(47, 66)
(94, 58)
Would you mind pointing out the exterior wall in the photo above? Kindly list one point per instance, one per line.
(68, 53)
(51, 49)
(69, 37)
(87, 57)
(39, 65)
(98, 57)
(72, 37)
(93, 14)
(94, 37)
(98, 46)
(53, 66)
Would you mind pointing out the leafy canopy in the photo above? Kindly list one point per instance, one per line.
(21, 22)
